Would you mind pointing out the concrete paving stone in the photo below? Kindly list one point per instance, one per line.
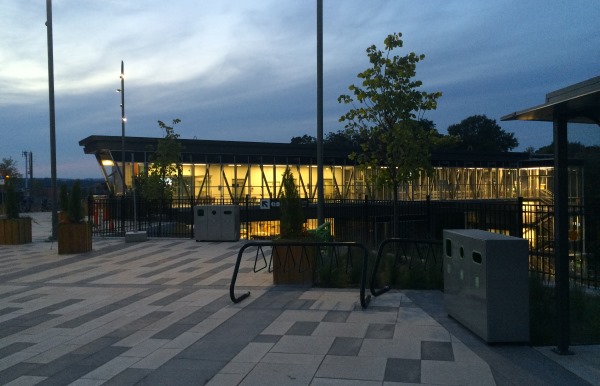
(422, 332)
(585, 361)
(145, 348)
(304, 316)
(303, 344)
(111, 368)
(353, 330)
(253, 352)
(445, 373)
(15, 360)
(403, 370)
(53, 353)
(336, 316)
(415, 316)
(183, 372)
(185, 340)
(221, 379)
(348, 382)
(128, 376)
(437, 351)
(14, 348)
(380, 331)
(157, 358)
(87, 382)
(345, 346)
(371, 316)
(391, 348)
(25, 380)
(302, 328)
(237, 368)
(68, 376)
(277, 374)
(356, 368)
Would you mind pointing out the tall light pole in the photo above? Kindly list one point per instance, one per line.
(52, 117)
(123, 120)
(320, 187)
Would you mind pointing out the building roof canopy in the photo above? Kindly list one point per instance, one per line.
(578, 103)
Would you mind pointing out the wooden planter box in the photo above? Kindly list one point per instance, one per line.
(293, 265)
(74, 238)
(15, 231)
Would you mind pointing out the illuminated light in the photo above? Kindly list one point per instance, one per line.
(124, 119)
(107, 162)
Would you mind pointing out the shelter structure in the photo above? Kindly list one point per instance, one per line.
(578, 103)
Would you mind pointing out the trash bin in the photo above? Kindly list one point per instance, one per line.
(486, 285)
(217, 222)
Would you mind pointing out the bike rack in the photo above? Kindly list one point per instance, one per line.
(402, 245)
(318, 246)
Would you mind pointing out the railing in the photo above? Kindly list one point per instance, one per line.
(407, 251)
(369, 222)
(324, 252)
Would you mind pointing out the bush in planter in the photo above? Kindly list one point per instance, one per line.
(74, 236)
(292, 264)
(292, 217)
(14, 230)
(64, 204)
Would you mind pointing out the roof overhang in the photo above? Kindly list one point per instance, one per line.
(578, 103)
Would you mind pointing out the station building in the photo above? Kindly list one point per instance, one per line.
(233, 171)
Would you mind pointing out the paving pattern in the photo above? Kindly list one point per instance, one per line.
(159, 313)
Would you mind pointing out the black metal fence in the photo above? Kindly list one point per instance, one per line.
(370, 222)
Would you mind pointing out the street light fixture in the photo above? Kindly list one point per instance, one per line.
(123, 120)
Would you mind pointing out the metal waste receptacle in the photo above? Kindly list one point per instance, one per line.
(217, 223)
(486, 285)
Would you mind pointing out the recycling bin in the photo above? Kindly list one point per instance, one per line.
(217, 222)
(486, 285)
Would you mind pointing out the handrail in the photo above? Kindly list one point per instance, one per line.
(364, 299)
(402, 242)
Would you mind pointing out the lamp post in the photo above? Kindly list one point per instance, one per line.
(320, 187)
(123, 120)
(52, 117)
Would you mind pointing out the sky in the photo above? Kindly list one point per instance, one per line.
(246, 69)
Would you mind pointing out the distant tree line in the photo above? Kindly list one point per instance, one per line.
(477, 133)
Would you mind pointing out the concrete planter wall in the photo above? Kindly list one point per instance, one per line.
(293, 265)
(74, 238)
(15, 231)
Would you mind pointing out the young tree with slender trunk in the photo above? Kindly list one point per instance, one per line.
(386, 114)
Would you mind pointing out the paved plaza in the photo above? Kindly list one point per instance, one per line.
(159, 313)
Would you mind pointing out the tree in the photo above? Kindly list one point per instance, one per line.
(292, 217)
(386, 113)
(482, 134)
(165, 168)
(8, 168)
(304, 140)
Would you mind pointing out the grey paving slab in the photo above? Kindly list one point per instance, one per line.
(159, 313)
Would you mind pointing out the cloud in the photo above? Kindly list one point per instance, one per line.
(247, 69)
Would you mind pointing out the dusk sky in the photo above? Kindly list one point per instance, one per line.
(246, 69)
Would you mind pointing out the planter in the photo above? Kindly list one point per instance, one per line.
(15, 231)
(293, 265)
(74, 238)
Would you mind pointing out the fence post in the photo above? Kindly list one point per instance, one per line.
(247, 222)
(519, 219)
(366, 220)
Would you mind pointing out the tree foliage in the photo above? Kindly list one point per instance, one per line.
(386, 114)
(165, 168)
(8, 168)
(482, 134)
(292, 217)
(304, 140)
